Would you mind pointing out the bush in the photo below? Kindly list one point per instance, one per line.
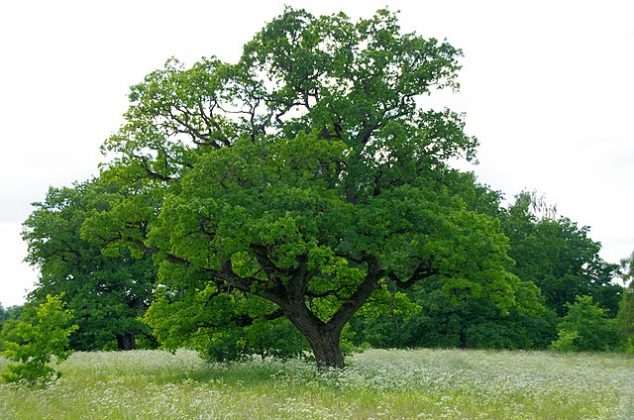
(565, 341)
(586, 327)
(40, 333)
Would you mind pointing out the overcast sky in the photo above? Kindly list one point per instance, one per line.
(547, 86)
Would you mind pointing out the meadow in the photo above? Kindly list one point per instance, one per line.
(393, 384)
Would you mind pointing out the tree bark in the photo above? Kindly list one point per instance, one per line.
(326, 347)
(126, 341)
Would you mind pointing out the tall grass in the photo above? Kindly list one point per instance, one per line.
(377, 384)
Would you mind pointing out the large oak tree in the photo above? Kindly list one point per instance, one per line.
(304, 181)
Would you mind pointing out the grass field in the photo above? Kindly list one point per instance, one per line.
(377, 384)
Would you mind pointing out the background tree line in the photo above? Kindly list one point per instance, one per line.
(565, 276)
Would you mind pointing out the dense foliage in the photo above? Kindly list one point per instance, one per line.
(461, 321)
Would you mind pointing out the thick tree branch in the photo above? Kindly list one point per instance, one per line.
(332, 292)
(143, 160)
(246, 320)
(249, 284)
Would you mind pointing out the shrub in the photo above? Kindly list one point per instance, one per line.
(40, 333)
(565, 341)
(586, 327)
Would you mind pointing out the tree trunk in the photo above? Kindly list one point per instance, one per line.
(323, 338)
(463, 339)
(126, 341)
(326, 347)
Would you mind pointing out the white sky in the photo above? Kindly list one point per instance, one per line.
(547, 86)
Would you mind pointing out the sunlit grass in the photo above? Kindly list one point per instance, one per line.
(377, 384)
